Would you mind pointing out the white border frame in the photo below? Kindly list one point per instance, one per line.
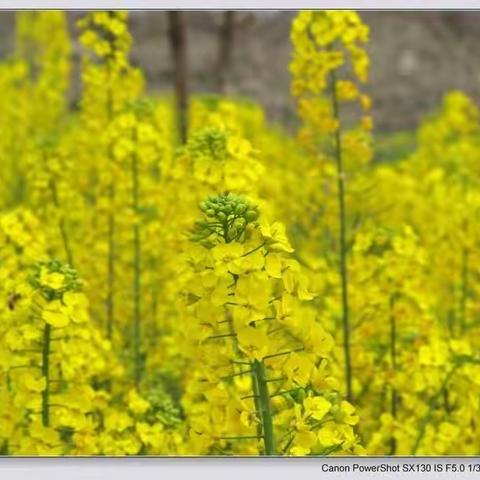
(237, 468)
(239, 4)
(233, 468)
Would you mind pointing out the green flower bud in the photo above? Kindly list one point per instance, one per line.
(226, 206)
(251, 215)
(240, 208)
(71, 280)
(337, 413)
(240, 223)
(300, 395)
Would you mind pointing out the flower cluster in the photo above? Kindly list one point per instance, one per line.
(248, 292)
(263, 357)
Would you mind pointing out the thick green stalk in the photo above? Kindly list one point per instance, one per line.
(265, 412)
(342, 217)
(256, 401)
(136, 274)
(46, 374)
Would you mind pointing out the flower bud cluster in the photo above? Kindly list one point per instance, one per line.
(226, 217)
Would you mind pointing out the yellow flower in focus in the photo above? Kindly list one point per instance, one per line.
(303, 443)
(275, 236)
(317, 407)
(253, 342)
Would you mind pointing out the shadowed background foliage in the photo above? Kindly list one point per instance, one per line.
(416, 57)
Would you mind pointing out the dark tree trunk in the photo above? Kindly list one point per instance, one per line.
(225, 47)
(178, 42)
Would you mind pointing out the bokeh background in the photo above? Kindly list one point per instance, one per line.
(416, 57)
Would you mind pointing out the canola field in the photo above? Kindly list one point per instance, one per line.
(252, 291)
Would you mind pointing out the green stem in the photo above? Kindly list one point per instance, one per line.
(254, 250)
(432, 405)
(136, 275)
(265, 412)
(256, 401)
(342, 242)
(111, 266)
(464, 299)
(62, 224)
(111, 215)
(393, 361)
(155, 332)
(4, 450)
(46, 374)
